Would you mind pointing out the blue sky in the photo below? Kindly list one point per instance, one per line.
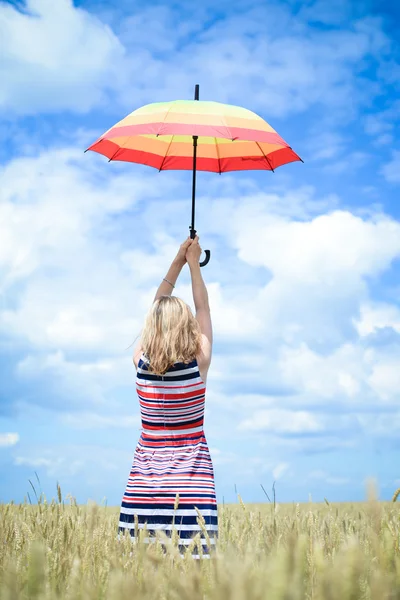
(304, 277)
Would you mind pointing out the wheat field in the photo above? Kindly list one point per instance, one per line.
(61, 550)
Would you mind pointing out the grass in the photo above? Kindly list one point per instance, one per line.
(62, 550)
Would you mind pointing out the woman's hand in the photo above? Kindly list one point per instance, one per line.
(193, 251)
(181, 256)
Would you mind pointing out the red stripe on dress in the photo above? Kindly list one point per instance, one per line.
(191, 501)
(184, 395)
(176, 402)
(148, 438)
(175, 427)
(168, 387)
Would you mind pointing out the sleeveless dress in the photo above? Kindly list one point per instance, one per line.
(171, 458)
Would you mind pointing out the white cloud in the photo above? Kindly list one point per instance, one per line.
(391, 171)
(376, 124)
(283, 421)
(77, 380)
(327, 478)
(231, 318)
(385, 376)
(319, 11)
(280, 470)
(382, 123)
(322, 250)
(384, 140)
(70, 60)
(318, 265)
(92, 420)
(220, 457)
(294, 445)
(324, 145)
(55, 57)
(375, 316)
(364, 376)
(385, 425)
(356, 159)
(325, 376)
(54, 210)
(288, 69)
(8, 439)
(67, 462)
(27, 461)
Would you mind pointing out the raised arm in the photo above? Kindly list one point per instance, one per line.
(200, 298)
(167, 284)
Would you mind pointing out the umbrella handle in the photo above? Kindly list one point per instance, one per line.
(204, 262)
(207, 259)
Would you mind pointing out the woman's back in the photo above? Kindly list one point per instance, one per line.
(173, 401)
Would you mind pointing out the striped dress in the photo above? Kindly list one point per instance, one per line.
(171, 457)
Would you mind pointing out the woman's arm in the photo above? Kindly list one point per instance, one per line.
(200, 298)
(167, 285)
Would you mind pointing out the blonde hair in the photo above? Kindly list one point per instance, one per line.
(171, 334)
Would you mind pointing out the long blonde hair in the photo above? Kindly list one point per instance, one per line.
(171, 334)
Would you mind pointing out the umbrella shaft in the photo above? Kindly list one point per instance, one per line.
(195, 138)
(192, 229)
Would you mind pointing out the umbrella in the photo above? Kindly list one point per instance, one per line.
(195, 135)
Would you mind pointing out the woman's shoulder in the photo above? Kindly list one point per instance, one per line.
(143, 361)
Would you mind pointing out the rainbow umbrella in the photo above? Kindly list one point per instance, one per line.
(196, 135)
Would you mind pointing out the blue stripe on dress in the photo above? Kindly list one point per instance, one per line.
(168, 519)
(164, 506)
(150, 377)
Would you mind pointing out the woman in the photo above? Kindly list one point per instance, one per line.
(172, 472)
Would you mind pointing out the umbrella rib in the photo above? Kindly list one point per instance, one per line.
(219, 159)
(116, 152)
(165, 155)
(227, 128)
(266, 157)
(165, 116)
(120, 148)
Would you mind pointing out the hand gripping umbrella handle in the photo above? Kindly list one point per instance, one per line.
(204, 262)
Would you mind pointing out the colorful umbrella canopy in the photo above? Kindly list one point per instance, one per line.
(230, 138)
(205, 136)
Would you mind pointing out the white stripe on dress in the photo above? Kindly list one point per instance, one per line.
(167, 527)
(160, 386)
(181, 541)
(164, 432)
(166, 512)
